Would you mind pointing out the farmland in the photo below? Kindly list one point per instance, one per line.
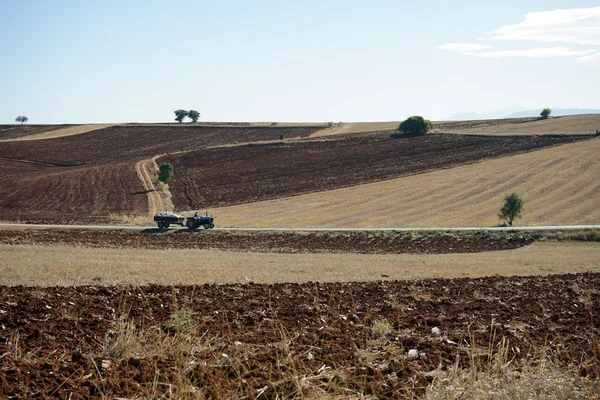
(244, 174)
(559, 186)
(292, 340)
(230, 314)
(88, 193)
(19, 131)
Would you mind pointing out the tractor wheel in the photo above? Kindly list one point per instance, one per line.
(161, 225)
(207, 226)
(167, 225)
(191, 224)
(212, 226)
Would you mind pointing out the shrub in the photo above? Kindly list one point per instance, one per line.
(380, 328)
(415, 125)
(281, 137)
(183, 321)
(165, 172)
(545, 113)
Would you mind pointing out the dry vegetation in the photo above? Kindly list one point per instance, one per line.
(498, 338)
(559, 186)
(571, 124)
(68, 131)
(47, 265)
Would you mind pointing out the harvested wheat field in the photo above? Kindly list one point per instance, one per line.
(559, 185)
(345, 340)
(243, 174)
(10, 132)
(566, 125)
(64, 131)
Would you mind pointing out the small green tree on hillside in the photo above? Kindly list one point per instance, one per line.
(193, 115)
(545, 113)
(21, 119)
(512, 208)
(165, 172)
(180, 115)
(415, 125)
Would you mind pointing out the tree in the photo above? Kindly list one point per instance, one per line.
(193, 115)
(180, 115)
(415, 125)
(545, 113)
(165, 172)
(512, 208)
(22, 119)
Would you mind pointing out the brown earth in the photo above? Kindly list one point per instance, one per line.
(235, 175)
(119, 143)
(279, 242)
(568, 124)
(59, 194)
(285, 340)
(18, 131)
(36, 188)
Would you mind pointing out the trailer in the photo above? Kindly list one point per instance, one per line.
(166, 219)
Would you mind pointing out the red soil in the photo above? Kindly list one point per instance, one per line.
(53, 341)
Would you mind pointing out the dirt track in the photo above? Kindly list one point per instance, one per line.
(236, 175)
(256, 340)
(280, 242)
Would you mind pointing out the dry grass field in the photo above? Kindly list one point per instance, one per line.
(559, 185)
(572, 124)
(40, 265)
(73, 130)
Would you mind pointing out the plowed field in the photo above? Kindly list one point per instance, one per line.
(278, 242)
(285, 340)
(242, 174)
(57, 194)
(18, 131)
(119, 143)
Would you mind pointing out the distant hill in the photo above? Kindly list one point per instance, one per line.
(518, 112)
(556, 112)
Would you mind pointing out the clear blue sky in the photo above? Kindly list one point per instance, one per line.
(273, 60)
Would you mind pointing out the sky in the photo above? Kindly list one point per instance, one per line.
(271, 60)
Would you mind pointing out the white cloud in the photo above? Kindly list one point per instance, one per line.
(574, 26)
(540, 87)
(460, 47)
(531, 53)
(592, 59)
